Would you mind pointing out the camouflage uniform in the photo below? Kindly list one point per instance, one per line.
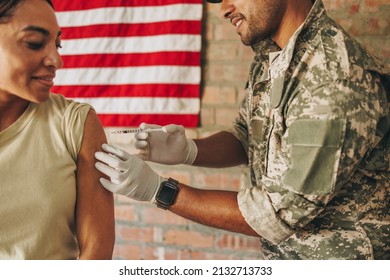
(315, 125)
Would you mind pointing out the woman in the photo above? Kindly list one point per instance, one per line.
(51, 203)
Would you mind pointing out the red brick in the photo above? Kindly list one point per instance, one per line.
(139, 234)
(225, 51)
(370, 6)
(155, 216)
(226, 116)
(246, 54)
(219, 96)
(238, 242)
(127, 252)
(341, 5)
(188, 238)
(226, 31)
(207, 116)
(201, 255)
(176, 254)
(125, 213)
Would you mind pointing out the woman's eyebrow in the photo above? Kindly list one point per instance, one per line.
(40, 30)
(37, 29)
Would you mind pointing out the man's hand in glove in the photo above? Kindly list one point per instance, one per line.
(169, 146)
(130, 175)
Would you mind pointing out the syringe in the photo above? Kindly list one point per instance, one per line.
(135, 130)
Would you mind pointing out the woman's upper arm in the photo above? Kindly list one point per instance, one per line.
(95, 223)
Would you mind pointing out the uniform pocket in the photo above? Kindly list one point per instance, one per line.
(315, 147)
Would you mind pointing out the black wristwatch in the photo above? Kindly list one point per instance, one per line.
(167, 193)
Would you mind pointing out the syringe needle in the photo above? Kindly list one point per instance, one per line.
(135, 130)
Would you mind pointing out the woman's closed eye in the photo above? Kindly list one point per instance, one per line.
(35, 45)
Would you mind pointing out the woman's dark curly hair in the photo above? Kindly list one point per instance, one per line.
(7, 7)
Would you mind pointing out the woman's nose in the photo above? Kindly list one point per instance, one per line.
(53, 59)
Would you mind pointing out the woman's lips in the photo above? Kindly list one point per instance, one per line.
(45, 80)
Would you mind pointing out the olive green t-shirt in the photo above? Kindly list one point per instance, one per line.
(38, 156)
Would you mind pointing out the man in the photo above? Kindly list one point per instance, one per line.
(313, 129)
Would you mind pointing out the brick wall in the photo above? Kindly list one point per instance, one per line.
(144, 232)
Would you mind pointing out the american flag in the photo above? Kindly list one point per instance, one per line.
(133, 60)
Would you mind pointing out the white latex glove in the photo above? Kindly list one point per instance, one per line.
(169, 146)
(130, 175)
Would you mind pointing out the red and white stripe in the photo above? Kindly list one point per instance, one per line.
(134, 61)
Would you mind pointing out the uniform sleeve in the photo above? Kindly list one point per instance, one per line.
(240, 127)
(73, 126)
(260, 214)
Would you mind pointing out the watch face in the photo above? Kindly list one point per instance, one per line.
(167, 194)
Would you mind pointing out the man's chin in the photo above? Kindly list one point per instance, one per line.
(247, 42)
